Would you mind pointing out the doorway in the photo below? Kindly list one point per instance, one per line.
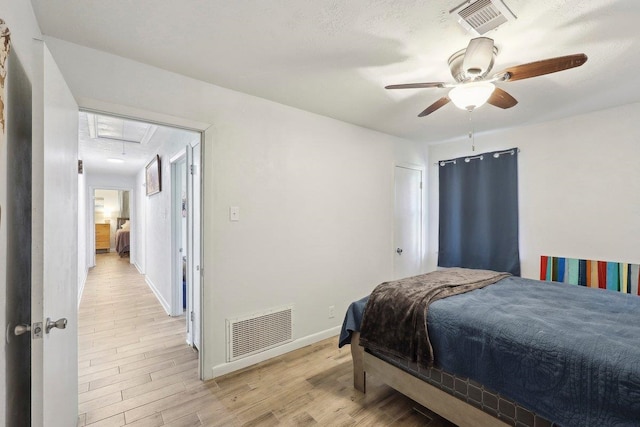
(113, 228)
(124, 153)
(407, 221)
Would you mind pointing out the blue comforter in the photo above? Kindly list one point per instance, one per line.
(569, 353)
(352, 321)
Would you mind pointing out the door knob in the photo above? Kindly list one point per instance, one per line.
(60, 324)
(399, 251)
(21, 329)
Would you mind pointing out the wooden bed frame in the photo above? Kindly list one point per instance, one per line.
(447, 406)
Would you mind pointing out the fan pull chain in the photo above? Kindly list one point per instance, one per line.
(472, 133)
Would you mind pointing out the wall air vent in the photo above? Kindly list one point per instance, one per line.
(258, 332)
(482, 16)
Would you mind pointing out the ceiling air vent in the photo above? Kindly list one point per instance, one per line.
(482, 16)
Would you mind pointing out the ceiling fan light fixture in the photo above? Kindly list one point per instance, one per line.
(471, 95)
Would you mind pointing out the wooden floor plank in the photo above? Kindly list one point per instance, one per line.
(154, 420)
(190, 420)
(135, 369)
(123, 386)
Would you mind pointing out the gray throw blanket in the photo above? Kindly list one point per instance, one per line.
(395, 318)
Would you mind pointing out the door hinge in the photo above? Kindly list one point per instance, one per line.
(192, 316)
(421, 185)
(192, 169)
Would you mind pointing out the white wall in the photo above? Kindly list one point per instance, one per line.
(138, 248)
(152, 219)
(315, 195)
(157, 224)
(578, 186)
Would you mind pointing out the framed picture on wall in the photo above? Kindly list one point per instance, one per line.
(154, 180)
(99, 203)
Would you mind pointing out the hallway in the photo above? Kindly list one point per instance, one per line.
(133, 360)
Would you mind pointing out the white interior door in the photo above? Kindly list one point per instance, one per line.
(15, 231)
(407, 222)
(186, 171)
(194, 234)
(179, 247)
(54, 247)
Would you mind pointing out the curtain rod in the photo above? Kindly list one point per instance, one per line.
(479, 156)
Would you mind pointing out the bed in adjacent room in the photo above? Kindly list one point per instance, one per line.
(123, 236)
(512, 352)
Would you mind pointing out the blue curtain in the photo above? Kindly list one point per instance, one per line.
(479, 212)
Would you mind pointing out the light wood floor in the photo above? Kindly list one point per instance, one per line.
(136, 370)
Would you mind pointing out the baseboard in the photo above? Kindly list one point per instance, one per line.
(83, 282)
(227, 368)
(158, 295)
(140, 269)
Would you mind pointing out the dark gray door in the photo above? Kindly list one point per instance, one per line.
(17, 220)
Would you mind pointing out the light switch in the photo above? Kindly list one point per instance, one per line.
(234, 213)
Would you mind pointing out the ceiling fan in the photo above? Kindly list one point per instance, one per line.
(470, 67)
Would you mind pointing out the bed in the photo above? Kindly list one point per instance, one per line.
(123, 237)
(515, 352)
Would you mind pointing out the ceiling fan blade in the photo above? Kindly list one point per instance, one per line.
(416, 85)
(433, 107)
(478, 57)
(502, 99)
(546, 66)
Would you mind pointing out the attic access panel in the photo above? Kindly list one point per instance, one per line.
(119, 129)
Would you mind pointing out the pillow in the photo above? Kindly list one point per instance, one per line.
(125, 226)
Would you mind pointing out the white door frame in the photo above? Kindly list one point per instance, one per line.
(206, 131)
(91, 237)
(195, 244)
(199, 272)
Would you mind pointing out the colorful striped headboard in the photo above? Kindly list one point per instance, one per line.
(615, 276)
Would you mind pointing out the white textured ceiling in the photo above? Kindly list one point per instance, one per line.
(334, 57)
